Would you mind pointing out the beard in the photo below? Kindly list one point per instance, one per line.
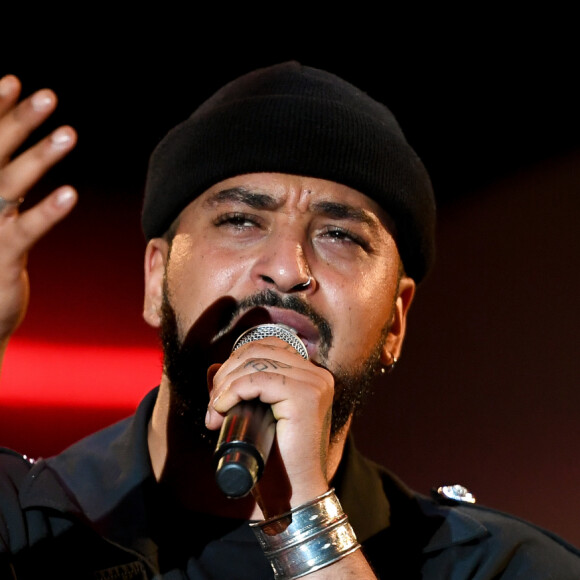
(185, 365)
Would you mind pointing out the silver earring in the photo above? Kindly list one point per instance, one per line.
(390, 368)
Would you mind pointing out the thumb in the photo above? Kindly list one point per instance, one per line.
(211, 372)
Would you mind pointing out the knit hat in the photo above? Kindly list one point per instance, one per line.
(290, 118)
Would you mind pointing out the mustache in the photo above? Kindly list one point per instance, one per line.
(271, 298)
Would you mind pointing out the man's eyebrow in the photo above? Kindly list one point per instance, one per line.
(257, 199)
(343, 211)
(251, 198)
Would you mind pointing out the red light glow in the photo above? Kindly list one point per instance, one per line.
(49, 374)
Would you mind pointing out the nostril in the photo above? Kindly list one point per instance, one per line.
(303, 285)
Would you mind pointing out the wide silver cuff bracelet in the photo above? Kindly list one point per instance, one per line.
(306, 538)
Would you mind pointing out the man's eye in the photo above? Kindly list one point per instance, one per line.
(343, 235)
(236, 220)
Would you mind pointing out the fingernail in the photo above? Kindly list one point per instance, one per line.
(207, 417)
(60, 138)
(64, 196)
(42, 100)
(6, 85)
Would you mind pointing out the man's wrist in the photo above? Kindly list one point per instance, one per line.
(306, 538)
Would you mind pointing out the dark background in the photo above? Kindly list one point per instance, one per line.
(486, 392)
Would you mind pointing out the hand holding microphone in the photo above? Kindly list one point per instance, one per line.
(248, 430)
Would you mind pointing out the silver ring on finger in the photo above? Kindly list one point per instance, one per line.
(9, 207)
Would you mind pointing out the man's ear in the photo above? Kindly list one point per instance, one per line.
(394, 342)
(156, 255)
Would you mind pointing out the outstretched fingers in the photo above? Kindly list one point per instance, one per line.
(19, 171)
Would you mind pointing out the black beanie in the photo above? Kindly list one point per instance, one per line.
(290, 118)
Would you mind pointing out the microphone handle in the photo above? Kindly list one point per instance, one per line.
(249, 427)
(244, 446)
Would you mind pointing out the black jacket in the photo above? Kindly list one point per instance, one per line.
(95, 511)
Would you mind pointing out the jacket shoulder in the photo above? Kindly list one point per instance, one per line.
(472, 533)
(14, 468)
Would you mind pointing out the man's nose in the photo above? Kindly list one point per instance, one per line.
(283, 265)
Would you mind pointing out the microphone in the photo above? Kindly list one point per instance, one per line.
(248, 430)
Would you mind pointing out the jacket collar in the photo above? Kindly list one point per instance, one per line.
(102, 480)
(376, 500)
(359, 487)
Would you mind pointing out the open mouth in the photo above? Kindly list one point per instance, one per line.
(301, 325)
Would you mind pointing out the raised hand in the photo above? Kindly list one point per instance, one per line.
(19, 231)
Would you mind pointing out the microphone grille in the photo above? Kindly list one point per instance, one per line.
(286, 333)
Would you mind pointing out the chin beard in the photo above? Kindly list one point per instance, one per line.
(186, 370)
